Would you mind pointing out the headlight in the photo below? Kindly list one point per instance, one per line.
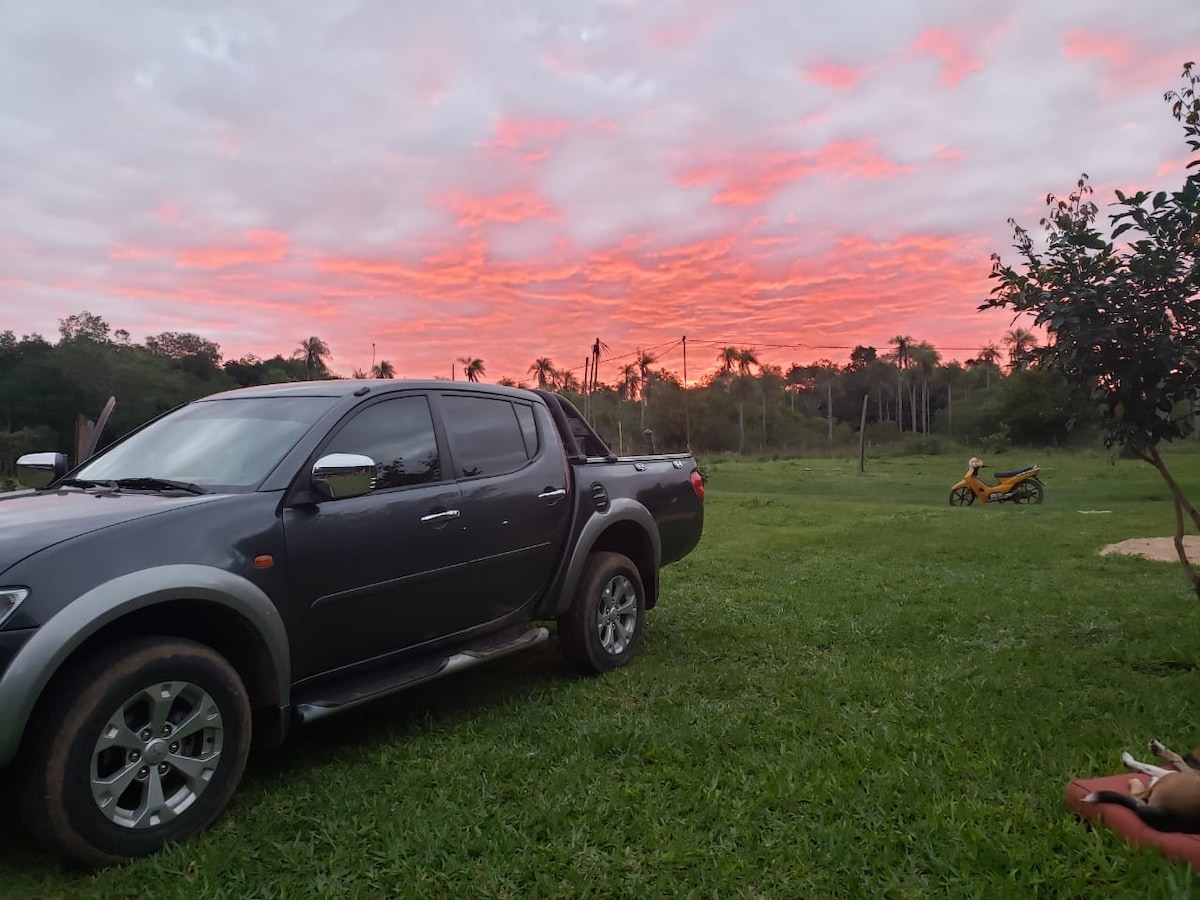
(10, 599)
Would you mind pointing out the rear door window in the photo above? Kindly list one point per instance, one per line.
(528, 427)
(486, 438)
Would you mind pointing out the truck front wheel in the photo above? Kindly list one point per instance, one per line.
(139, 745)
(603, 628)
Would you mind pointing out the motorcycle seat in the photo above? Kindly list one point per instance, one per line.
(1011, 472)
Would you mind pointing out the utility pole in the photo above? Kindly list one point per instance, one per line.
(587, 390)
(687, 422)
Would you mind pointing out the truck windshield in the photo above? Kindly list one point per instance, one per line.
(229, 443)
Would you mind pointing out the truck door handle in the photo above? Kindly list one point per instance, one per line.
(441, 516)
(552, 494)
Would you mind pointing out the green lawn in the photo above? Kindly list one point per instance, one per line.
(850, 689)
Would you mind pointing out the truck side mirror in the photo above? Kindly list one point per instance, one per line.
(340, 475)
(37, 470)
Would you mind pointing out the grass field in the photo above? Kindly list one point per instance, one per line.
(850, 689)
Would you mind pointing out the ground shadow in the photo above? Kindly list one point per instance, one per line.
(457, 697)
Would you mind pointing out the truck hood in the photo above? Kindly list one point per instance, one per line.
(31, 521)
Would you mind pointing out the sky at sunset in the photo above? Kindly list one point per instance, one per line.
(514, 179)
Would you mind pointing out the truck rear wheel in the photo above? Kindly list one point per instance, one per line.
(140, 745)
(603, 628)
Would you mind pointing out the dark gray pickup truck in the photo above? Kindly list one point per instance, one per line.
(282, 553)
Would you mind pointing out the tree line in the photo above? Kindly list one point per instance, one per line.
(743, 406)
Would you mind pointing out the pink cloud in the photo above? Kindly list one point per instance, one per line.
(130, 253)
(832, 75)
(508, 206)
(516, 134)
(1129, 67)
(750, 180)
(951, 50)
(262, 247)
(1116, 50)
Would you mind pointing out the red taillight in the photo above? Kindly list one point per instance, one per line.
(698, 483)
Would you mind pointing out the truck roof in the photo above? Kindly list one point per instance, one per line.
(343, 387)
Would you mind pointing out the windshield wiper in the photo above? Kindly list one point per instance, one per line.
(149, 483)
(86, 483)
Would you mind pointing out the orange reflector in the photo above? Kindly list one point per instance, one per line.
(264, 562)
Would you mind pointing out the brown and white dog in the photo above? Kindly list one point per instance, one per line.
(1171, 800)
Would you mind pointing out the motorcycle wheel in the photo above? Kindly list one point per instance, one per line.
(962, 497)
(1030, 491)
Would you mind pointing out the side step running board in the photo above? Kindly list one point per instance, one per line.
(344, 696)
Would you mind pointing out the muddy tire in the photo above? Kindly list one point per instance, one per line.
(138, 745)
(603, 628)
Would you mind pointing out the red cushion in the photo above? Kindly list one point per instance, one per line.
(1182, 847)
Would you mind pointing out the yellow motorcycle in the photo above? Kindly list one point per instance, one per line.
(1015, 486)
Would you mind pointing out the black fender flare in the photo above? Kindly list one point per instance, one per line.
(53, 643)
(622, 509)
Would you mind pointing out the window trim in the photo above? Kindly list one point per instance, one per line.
(539, 443)
(479, 395)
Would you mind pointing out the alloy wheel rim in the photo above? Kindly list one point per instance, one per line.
(156, 755)
(616, 615)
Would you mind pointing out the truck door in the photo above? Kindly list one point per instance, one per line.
(516, 504)
(378, 573)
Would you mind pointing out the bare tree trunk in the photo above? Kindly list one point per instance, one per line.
(950, 408)
(829, 404)
(762, 440)
(862, 436)
(1155, 460)
(741, 426)
(1180, 504)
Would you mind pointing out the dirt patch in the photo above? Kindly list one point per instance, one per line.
(1160, 548)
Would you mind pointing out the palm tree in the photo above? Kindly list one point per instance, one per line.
(988, 356)
(359, 373)
(926, 358)
(643, 362)
(592, 376)
(1019, 342)
(768, 377)
(473, 368)
(746, 359)
(383, 369)
(315, 352)
(568, 381)
(902, 343)
(543, 370)
(628, 388)
(728, 358)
